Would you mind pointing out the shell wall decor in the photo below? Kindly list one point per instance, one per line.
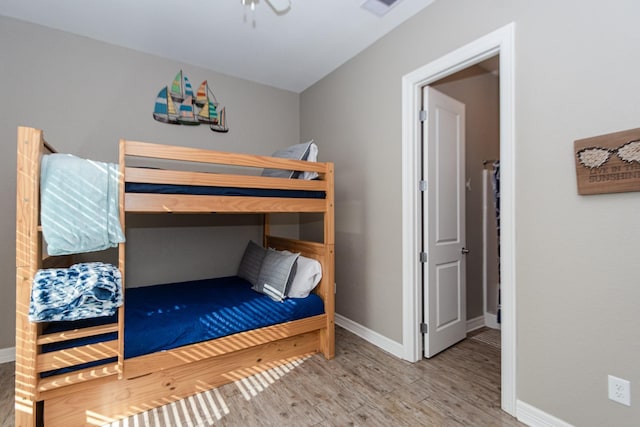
(608, 163)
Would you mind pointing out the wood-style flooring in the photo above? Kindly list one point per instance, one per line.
(362, 386)
(7, 385)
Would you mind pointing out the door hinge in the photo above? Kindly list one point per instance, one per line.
(423, 257)
(423, 115)
(423, 185)
(424, 328)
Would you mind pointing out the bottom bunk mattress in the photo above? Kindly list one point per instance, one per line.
(163, 317)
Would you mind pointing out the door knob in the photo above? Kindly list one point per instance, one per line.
(465, 251)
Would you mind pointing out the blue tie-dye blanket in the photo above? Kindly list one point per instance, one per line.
(79, 204)
(81, 291)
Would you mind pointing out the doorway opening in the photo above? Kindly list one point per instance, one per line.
(499, 42)
(478, 89)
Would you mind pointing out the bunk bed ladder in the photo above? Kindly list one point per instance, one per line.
(31, 362)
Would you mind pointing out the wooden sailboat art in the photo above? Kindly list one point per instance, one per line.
(177, 88)
(165, 109)
(222, 122)
(210, 111)
(177, 104)
(187, 115)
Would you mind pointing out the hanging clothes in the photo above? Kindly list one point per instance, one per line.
(496, 199)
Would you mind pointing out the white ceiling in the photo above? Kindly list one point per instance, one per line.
(291, 51)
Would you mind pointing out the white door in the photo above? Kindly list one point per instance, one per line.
(443, 166)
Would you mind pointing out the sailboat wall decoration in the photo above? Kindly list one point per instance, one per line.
(210, 110)
(176, 104)
(165, 110)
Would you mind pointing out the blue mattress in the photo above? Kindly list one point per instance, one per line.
(167, 316)
(133, 187)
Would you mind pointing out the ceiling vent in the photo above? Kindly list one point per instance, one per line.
(379, 7)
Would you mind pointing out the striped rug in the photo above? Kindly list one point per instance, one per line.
(208, 407)
(489, 336)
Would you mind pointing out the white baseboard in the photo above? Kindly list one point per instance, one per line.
(7, 354)
(475, 323)
(491, 321)
(373, 337)
(534, 417)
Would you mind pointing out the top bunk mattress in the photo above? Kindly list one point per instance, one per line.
(163, 317)
(203, 190)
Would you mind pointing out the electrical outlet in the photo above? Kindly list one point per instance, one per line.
(619, 390)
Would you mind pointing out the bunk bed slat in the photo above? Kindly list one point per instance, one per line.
(77, 377)
(148, 203)
(76, 356)
(77, 333)
(189, 154)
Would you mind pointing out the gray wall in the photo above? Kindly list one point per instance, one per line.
(479, 91)
(87, 95)
(577, 270)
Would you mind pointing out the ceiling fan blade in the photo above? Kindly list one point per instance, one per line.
(280, 7)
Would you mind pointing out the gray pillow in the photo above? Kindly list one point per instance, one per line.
(276, 274)
(295, 152)
(251, 262)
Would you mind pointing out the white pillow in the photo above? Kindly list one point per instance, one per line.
(312, 157)
(295, 152)
(307, 276)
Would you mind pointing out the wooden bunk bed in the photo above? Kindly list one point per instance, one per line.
(116, 387)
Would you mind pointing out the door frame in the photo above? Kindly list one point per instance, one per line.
(499, 42)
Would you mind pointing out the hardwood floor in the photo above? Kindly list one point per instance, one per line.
(7, 381)
(362, 386)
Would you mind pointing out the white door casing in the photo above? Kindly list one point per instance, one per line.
(444, 272)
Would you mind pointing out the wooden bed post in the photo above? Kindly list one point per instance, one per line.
(121, 254)
(28, 260)
(327, 336)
